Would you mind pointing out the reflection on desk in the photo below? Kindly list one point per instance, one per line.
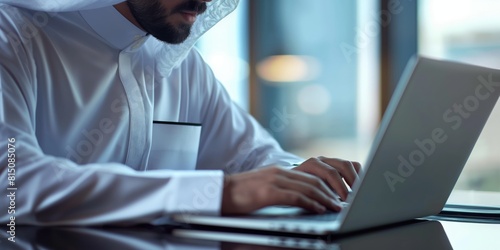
(426, 235)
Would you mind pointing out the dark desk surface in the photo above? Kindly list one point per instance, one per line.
(427, 235)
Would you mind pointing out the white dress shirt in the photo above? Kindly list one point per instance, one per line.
(79, 93)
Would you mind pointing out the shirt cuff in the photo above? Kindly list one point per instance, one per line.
(197, 192)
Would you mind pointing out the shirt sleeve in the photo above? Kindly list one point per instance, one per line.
(231, 138)
(40, 189)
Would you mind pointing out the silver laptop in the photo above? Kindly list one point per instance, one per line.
(425, 138)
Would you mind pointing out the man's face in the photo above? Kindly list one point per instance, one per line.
(167, 20)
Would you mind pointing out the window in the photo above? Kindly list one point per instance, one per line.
(314, 75)
(468, 32)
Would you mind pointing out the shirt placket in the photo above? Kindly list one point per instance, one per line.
(137, 128)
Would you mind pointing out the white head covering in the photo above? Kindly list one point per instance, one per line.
(60, 5)
(170, 55)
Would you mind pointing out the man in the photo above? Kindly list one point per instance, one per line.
(92, 91)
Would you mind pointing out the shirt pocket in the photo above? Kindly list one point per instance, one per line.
(174, 146)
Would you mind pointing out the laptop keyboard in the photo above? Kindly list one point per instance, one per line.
(327, 216)
(295, 213)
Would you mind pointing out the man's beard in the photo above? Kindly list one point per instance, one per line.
(152, 16)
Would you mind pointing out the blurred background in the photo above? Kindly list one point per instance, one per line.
(318, 74)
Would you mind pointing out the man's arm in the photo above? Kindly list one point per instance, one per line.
(47, 190)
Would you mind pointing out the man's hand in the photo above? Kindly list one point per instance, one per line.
(246, 192)
(332, 171)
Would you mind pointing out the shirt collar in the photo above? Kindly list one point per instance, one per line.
(117, 30)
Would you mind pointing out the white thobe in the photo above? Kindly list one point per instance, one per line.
(80, 91)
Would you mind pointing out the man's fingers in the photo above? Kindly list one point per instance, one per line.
(310, 179)
(345, 168)
(292, 198)
(334, 179)
(297, 199)
(309, 191)
(246, 192)
(357, 166)
(327, 173)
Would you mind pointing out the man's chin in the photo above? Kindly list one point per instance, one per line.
(171, 38)
(171, 41)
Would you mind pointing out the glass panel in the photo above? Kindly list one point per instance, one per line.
(468, 31)
(314, 96)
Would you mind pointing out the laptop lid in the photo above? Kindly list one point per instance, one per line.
(430, 127)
